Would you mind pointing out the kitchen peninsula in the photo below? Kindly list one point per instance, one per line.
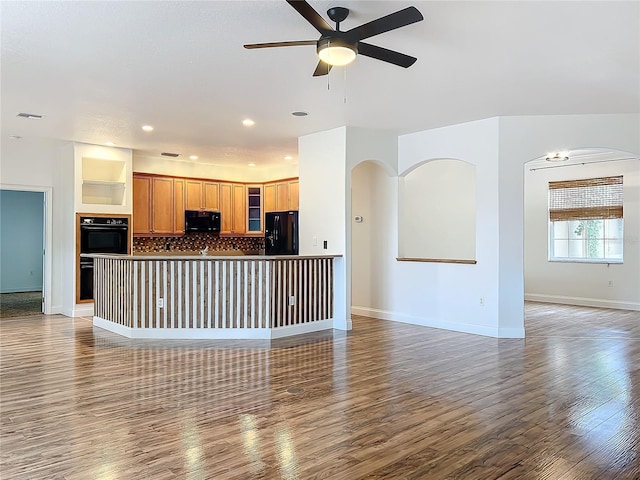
(176, 296)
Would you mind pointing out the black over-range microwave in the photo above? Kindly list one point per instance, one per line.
(201, 221)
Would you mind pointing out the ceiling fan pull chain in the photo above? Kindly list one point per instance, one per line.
(345, 84)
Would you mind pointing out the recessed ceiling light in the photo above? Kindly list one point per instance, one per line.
(31, 116)
(147, 128)
(193, 157)
(247, 122)
(109, 144)
(299, 114)
(288, 157)
(251, 164)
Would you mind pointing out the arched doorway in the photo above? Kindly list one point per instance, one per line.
(595, 282)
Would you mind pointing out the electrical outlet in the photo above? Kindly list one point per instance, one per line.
(325, 244)
(292, 300)
(482, 301)
(610, 283)
(161, 303)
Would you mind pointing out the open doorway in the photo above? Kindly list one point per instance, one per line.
(22, 247)
(373, 242)
(582, 266)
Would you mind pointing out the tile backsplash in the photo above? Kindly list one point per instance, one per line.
(198, 241)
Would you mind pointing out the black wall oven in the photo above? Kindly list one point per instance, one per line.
(99, 235)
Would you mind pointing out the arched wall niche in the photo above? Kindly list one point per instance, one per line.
(437, 211)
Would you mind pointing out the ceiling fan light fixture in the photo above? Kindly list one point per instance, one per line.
(557, 157)
(336, 51)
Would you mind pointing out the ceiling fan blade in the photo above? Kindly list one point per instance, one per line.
(401, 18)
(280, 44)
(311, 15)
(322, 69)
(386, 55)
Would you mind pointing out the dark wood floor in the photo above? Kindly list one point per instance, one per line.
(388, 401)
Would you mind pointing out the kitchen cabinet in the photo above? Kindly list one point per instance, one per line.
(254, 209)
(269, 198)
(294, 195)
(178, 205)
(158, 205)
(233, 208)
(280, 196)
(202, 195)
(141, 205)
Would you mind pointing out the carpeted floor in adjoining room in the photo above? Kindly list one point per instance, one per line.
(20, 304)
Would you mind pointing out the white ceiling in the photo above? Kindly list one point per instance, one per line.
(98, 71)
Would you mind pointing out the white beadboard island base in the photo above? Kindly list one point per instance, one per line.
(206, 297)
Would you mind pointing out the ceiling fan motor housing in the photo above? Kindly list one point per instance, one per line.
(337, 39)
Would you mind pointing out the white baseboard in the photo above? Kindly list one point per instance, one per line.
(212, 333)
(33, 288)
(582, 301)
(300, 329)
(55, 310)
(82, 310)
(342, 324)
(425, 322)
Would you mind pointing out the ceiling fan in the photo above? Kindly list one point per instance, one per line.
(340, 48)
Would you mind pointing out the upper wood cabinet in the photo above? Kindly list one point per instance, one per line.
(233, 208)
(280, 196)
(178, 205)
(141, 205)
(269, 197)
(162, 209)
(202, 195)
(294, 195)
(158, 205)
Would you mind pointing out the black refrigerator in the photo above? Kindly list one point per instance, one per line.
(281, 233)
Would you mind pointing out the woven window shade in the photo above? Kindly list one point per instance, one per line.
(591, 198)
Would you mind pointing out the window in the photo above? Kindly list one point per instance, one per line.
(585, 220)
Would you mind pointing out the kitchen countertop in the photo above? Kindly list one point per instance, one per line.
(196, 253)
(211, 255)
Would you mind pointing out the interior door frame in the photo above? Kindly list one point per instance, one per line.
(47, 239)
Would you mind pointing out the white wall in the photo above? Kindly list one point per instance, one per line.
(581, 283)
(185, 168)
(449, 295)
(37, 165)
(322, 208)
(21, 241)
(322, 192)
(29, 161)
